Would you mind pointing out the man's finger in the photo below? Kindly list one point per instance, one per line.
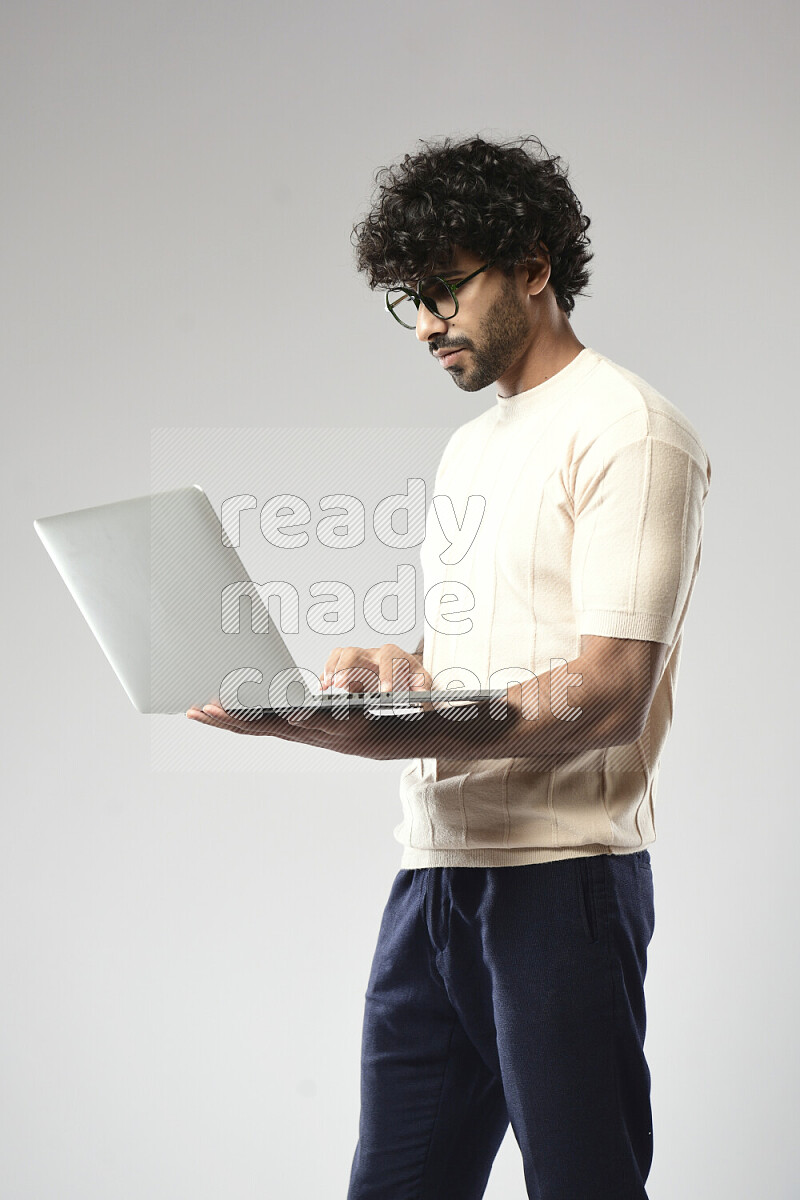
(357, 678)
(203, 718)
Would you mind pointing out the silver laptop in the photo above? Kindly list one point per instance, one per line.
(162, 592)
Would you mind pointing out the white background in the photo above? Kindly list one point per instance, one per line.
(184, 953)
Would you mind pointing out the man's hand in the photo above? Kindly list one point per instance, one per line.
(386, 668)
(354, 734)
(357, 669)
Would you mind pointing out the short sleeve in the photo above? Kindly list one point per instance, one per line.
(638, 513)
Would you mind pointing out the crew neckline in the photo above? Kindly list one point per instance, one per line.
(510, 408)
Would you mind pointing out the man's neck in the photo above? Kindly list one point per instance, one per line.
(550, 350)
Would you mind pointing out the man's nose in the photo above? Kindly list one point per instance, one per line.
(429, 325)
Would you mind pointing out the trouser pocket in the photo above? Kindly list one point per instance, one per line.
(586, 897)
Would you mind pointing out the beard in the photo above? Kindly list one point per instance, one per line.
(503, 337)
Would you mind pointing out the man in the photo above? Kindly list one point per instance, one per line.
(507, 983)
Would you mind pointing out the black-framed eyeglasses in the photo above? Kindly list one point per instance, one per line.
(438, 296)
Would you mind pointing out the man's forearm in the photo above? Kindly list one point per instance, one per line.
(482, 731)
(585, 705)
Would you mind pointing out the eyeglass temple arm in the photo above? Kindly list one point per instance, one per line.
(467, 278)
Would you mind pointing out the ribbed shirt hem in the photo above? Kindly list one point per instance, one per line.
(639, 626)
(491, 857)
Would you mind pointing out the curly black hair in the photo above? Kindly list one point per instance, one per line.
(499, 200)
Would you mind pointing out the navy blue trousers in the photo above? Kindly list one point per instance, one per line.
(504, 994)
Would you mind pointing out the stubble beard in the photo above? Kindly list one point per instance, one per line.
(503, 336)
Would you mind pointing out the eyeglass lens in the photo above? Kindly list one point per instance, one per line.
(403, 307)
(436, 296)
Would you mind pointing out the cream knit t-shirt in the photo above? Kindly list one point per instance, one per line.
(594, 486)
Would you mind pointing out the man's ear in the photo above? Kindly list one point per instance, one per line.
(538, 268)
